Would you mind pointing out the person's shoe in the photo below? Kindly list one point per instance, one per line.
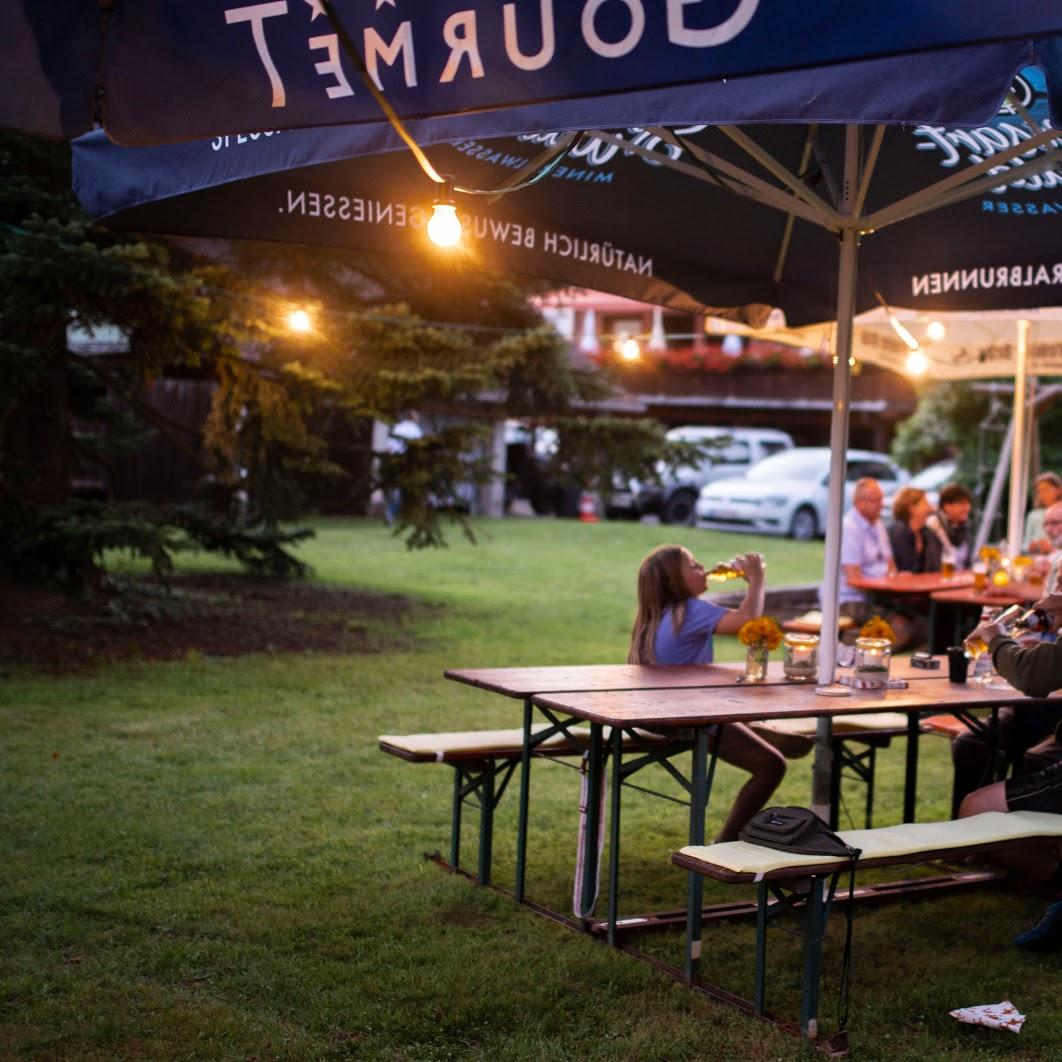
(1046, 935)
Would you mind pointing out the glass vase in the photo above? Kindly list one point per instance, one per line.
(872, 659)
(756, 664)
(800, 657)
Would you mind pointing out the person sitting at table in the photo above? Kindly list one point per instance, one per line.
(1053, 531)
(1036, 670)
(865, 552)
(949, 529)
(1048, 490)
(673, 625)
(908, 536)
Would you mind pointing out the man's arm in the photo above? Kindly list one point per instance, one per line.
(1036, 670)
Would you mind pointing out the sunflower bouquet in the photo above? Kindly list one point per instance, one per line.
(876, 627)
(761, 633)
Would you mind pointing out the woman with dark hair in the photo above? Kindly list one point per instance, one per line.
(907, 533)
(673, 625)
(949, 527)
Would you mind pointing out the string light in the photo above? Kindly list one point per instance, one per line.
(444, 226)
(917, 363)
(629, 349)
(300, 321)
(935, 331)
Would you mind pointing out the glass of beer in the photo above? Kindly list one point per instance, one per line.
(1021, 567)
(974, 647)
(947, 569)
(980, 574)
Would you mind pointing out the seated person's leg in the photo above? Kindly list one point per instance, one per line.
(971, 754)
(1041, 791)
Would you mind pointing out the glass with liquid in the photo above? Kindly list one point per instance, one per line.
(1020, 568)
(980, 575)
(721, 573)
(947, 569)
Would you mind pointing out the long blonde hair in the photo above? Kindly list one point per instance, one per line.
(660, 586)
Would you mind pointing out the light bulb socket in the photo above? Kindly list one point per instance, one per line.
(444, 194)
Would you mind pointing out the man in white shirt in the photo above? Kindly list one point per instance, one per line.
(865, 549)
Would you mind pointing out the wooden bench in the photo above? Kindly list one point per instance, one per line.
(869, 732)
(483, 763)
(777, 873)
(811, 623)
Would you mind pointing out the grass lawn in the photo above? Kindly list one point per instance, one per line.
(210, 858)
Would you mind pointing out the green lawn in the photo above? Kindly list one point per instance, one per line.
(210, 859)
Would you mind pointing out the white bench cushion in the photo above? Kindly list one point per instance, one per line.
(885, 842)
(842, 724)
(465, 742)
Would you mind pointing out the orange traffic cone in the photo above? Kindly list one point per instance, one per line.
(586, 508)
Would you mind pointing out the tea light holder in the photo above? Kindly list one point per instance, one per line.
(800, 657)
(873, 656)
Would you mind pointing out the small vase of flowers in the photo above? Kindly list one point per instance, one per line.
(759, 636)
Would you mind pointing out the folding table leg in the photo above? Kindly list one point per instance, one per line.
(593, 822)
(614, 832)
(486, 821)
(835, 782)
(910, 783)
(814, 927)
(695, 883)
(525, 789)
(455, 819)
(872, 763)
(762, 899)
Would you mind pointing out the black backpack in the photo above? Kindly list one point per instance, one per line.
(801, 830)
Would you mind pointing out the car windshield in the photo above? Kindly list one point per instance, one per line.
(934, 476)
(793, 464)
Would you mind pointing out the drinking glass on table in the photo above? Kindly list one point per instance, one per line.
(947, 568)
(980, 574)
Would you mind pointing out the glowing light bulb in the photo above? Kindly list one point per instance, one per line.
(935, 331)
(300, 321)
(917, 363)
(629, 349)
(444, 227)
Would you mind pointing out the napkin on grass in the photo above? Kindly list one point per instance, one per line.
(992, 1015)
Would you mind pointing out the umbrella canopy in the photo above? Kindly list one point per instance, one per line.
(971, 345)
(655, 191)
(668, 215)
(159, 71)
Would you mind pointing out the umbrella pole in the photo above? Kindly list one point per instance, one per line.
(842, 387)
(1019, 458)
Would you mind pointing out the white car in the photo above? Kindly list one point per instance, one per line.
(930, 480)
(786, 494)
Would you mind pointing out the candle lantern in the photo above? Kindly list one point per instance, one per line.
(800, 659)
(872, 659)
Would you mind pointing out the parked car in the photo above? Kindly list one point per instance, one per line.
(737, 450)
(930, 480)
(786, 494)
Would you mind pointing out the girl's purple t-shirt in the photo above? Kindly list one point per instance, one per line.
(693, 643)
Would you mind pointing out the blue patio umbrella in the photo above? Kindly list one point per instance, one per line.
(635, 115)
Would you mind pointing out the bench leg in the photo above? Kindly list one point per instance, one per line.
(455, 818)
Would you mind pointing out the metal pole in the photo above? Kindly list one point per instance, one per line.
(842, 387)
(1018, 466)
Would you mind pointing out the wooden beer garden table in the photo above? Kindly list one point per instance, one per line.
(705, 711)
(967, 599)
(630, 683)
